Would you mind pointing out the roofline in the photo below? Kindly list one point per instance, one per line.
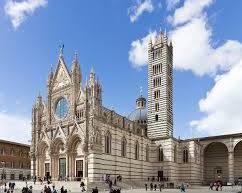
(214, 137)
(199, 138)
(14, 143)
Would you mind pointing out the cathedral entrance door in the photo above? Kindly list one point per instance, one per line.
(79, 169)
(62, 168)
(160, 176)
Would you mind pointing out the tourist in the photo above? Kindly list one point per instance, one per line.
(62, 189)
(160, 187)
(53, 186)
(211, 186)
(183, 189)
(35, 179)
(155, 186)
(95, 190)
(146, 186)
(151, 186)
(82, 186)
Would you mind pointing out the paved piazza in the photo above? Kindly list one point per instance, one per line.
(198, 189)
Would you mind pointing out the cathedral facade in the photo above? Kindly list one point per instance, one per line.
(74, 136)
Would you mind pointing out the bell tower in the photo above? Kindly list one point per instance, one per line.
(160, 91)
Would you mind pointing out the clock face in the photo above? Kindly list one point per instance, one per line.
(61, 108)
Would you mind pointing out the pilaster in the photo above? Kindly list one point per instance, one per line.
(231, 166)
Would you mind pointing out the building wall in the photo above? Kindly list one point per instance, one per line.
(14, 160)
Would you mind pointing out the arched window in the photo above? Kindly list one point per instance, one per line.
(160, 154)
(108, 142)
(136, 150)
(123, 147)
(147, 153)
(175, 153)
(12, 152)
(185, 155)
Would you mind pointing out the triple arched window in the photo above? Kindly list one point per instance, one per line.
(123, 147)
(108, 143)
(160, 154)
(185, 155)
(136, 154)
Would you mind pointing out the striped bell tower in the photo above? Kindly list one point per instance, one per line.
(160, 89)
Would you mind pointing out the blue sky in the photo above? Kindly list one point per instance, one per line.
(106, 34)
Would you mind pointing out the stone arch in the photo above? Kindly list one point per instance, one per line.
(73, 142)
(238, 160)
(216, 162)
(57, 145)
(42, 150)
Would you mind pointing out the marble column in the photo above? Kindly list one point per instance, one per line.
(54, 167)
(73, 160)
(231, 166)
(67, 167)
(85, 167)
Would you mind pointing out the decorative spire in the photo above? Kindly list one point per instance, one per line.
(39, 95)
(141, 91)
(39, 99)
(92, 70)
(75, 56)
(61, 50)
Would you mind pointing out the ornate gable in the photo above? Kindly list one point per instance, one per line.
(62, 77)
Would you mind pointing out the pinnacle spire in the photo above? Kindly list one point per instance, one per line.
(141, 91)
(75, 56)
(61, 52)
(92, 70)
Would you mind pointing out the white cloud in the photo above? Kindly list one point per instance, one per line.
(138, 9)
(194, 50)
(18, 11)
(171, 4)
(200, 56)
(191, 9)
(138, 53)
(221, 106)
(15, 128)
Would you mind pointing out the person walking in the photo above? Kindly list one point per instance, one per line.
(183, 189)
(155, 186)
(146, 187)
(160, 187)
